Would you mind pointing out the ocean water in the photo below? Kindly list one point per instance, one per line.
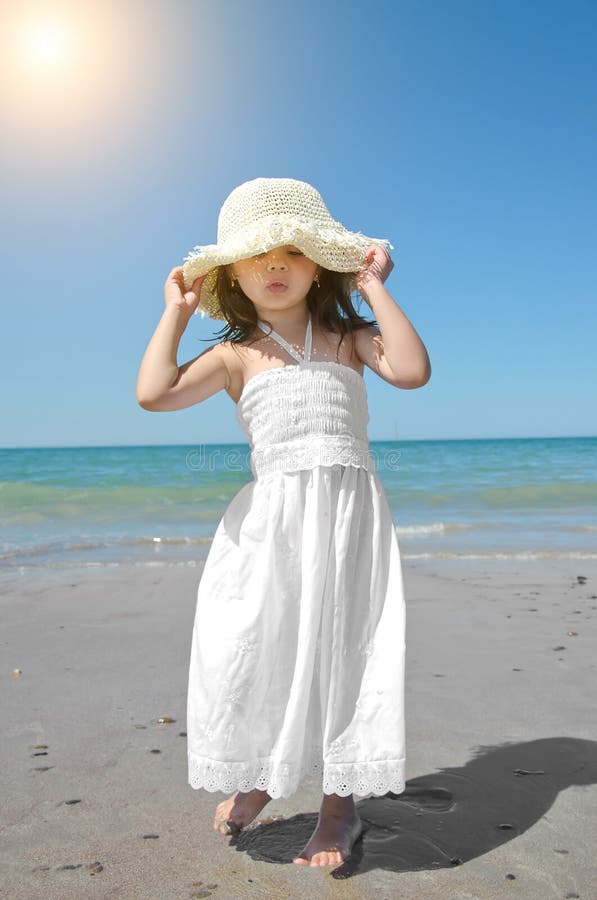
(160, 505)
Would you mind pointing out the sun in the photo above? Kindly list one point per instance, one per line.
(47, 43)
(47, 46)
(60, 62)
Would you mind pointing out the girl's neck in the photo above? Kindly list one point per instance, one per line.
(289, 324)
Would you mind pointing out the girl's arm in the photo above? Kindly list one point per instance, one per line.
(163, 385)
(396, 353)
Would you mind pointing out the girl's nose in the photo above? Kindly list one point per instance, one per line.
(276, 263)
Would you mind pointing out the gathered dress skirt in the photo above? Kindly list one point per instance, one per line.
(298, 644)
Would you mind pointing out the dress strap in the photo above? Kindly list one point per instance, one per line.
(308, 340)
(289, 349)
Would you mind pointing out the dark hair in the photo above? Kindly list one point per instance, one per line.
(330, 305)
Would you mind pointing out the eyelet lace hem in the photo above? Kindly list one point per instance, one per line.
(374, 778)
(306, 453)
(365, 779)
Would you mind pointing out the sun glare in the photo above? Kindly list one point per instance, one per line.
(77, 79)
(62, 64)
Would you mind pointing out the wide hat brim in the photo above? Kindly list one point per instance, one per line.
(331, 246)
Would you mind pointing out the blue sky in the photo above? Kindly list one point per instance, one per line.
(465, 132)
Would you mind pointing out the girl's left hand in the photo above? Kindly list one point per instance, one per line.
(379, 266)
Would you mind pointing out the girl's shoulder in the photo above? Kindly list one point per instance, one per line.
(367, 340)
(369, 347)
(241, 358)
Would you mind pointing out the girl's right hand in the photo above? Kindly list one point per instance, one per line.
(175, 294)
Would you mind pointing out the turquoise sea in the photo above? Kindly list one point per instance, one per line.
(160, 505)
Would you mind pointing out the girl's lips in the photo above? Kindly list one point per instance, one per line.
(277, 288)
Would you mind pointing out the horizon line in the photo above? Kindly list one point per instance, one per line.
(553, 437)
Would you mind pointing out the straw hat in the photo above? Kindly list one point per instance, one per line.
(271, 212)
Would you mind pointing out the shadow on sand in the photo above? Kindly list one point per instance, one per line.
(449, 817)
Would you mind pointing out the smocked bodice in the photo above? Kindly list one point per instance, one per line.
(305, 414)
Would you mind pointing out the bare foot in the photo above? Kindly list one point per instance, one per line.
(338, 827)
(239, 810)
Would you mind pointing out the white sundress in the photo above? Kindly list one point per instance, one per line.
(298, 644)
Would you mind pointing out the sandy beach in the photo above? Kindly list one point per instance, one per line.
(501, 745)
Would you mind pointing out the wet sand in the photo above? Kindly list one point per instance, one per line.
(501, 746)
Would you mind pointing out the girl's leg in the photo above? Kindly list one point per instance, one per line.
(338, 827)
(239, 810)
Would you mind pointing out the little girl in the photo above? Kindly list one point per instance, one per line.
(297, 656)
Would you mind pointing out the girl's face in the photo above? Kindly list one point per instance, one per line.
(276, 279)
